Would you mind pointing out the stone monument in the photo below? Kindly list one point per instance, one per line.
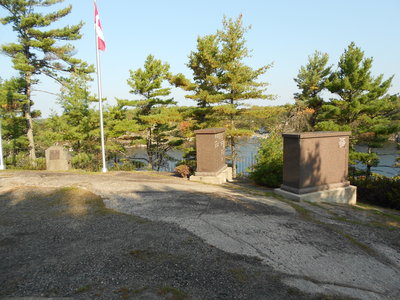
(210, 157)
(58, 159)
(315, 167)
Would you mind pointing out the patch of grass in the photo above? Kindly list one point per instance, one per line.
(359, 244)
(137, 219)
(239, 274)
(138, 291)
(189, 239)
(345, 220)
(83, 289)
(305, 214)
(77, 202)
(124, 292)
(385, 225)
(330, 297)
(154, 256)
(141, 254)
(393, 216)
(315, 204)
(172, 293)
(360, 206)
(294, 292)
(382, 213)
(388, 225)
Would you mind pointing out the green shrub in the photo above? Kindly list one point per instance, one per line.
(23, 162)
(85, 161)
(378, 190)
(127, 165)
(40, 163)
(268, 169)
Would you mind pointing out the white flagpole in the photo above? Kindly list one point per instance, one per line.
(99, 88)
(2, 166)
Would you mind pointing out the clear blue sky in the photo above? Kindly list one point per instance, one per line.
(284, 32)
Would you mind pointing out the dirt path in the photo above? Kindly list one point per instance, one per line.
(160, 237)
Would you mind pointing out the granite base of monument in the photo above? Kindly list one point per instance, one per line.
(344, 195)
(222, 176)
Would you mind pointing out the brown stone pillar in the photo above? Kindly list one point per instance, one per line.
(210, 156)
(316, 164)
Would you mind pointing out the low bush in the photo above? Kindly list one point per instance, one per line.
(183, 171)
(268, 169)
(23, 162)
(126, 165)
(378, 190)
(86, 161)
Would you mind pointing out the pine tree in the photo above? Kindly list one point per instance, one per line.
(77, 126)
(36, 51)
(311, 81)
(81, 122)
(362, 104)
(153, 115)
(206, 71)
(222, 81)
(205, 65)
(237, 81)
(13, 125)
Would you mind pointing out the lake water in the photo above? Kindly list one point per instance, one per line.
(248, 148)
(247, 151)
(387, 159)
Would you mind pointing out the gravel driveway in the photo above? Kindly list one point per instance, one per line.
(139, 235)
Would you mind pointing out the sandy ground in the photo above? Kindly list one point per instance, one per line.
(160, 237)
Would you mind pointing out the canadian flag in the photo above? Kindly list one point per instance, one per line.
(101, 44)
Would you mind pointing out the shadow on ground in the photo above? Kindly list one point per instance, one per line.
(65, 242)
(144, 236)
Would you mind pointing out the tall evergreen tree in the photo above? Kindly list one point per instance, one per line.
(311, 81)
(81, 130)
(362, 104)
(155, 120)
(206, 71)
(205, 65)
(237, 80)
(222, 81)
(77, 126)
(13, 126)
(36, 51)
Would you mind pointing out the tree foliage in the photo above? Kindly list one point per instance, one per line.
(238, 81)
(37, 51)
(223, 81)
(311, 82)
(152, 113)
(12, 121)
(268, 169)
(362, 104)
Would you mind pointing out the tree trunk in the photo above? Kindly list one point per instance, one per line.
(13, 153)
(29, 121)
(368, 165)
(232, 142)
(149, 148)
(368, 171)
(234, 156)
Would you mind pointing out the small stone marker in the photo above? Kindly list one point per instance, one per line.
(58, 159)
(210, 156)
(315, 167)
